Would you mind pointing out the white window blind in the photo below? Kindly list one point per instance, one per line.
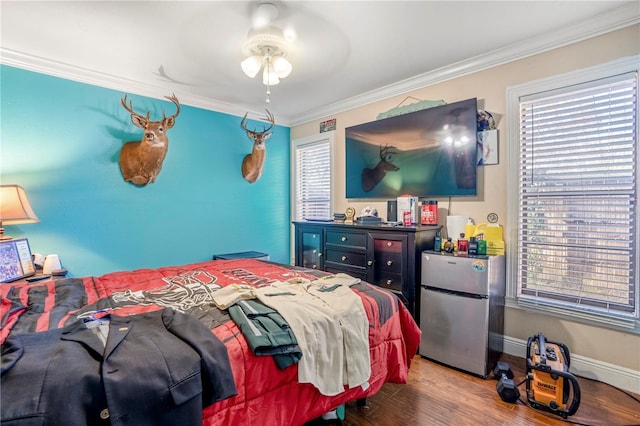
(313, 180)
(577, 231)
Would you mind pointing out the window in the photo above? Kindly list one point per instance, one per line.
(574, 178)
(312, 177)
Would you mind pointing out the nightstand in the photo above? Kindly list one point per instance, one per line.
(242, 255)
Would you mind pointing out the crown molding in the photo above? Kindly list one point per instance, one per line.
(62, 70)
(616, 19)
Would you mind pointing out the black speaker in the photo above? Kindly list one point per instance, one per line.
(392, 211)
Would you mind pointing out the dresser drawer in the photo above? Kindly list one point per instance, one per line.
(346, 258)
(389, 281)
(388, 246)
(388, 262)
(354, 271)
(346, 240)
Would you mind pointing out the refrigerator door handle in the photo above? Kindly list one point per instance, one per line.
(455, 293)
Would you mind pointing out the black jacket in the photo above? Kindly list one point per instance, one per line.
(157, 368)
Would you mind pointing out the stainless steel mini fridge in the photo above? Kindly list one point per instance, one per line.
(462, 310)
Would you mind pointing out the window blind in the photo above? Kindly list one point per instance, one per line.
(578, 169)
(313, 181)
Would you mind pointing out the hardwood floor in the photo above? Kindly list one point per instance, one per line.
(438, 395)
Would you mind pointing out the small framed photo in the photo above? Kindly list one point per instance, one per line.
(15, 260)
(488, 147)
(328, 125)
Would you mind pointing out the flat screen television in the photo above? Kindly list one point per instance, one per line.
(426, 153)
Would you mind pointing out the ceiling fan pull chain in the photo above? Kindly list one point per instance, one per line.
(268, 70)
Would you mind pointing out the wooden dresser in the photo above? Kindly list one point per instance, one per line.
(387, 256)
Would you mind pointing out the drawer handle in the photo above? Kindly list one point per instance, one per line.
(389, 243)
(389, 263)
(314, 251)
(319, 254)
(344, 258)
(389, 282)
(343, 239)
(370, 262)
(315, 267)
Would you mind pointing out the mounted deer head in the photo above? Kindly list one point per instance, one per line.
(141, 161)
(253, 163)
(372, 177)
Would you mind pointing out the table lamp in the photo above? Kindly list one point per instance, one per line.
(14, 208)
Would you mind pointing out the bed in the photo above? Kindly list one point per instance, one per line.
(266, 393)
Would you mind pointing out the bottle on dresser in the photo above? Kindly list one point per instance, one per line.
(473, 246)
(437, 242)
(449, 247)
(482, 247)
(463, 245)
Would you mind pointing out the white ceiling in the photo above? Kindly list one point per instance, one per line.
(347, 53)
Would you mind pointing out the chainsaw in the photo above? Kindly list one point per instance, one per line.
(550, 385)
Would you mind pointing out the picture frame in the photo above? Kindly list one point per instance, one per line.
(328, 125)
(488, 147)
(16, 261)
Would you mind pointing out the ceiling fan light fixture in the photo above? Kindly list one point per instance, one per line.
(267, 49)
(251, 65)
(281, 66)
(269, 75)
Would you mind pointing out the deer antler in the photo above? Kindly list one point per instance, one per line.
(268, 117)
(386, 150)
(372, 176)
(130, 110)
(173, 99)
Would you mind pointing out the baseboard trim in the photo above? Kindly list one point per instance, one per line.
(619, 377)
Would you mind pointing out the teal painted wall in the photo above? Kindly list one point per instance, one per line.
(61, 140)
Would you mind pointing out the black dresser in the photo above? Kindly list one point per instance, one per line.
(384, 255)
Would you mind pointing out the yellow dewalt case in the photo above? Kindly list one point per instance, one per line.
(550, 385)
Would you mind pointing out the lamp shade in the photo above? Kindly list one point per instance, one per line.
(282, 66)
(251, 65)
(14, 206)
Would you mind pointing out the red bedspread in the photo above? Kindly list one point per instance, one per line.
(266, 394)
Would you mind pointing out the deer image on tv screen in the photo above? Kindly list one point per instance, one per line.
(141, 161)
(372, 177)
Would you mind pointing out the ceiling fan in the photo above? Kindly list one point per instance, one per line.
(268, 47)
